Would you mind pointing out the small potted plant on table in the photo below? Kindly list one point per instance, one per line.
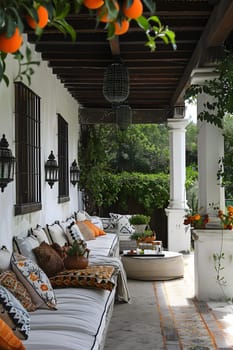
(148, 236)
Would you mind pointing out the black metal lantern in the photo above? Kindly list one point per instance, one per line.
(74, 173)
(116, 83)
(7, 164)
(51, 170)
(123, 116)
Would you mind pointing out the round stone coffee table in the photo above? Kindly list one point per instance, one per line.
(154, 268)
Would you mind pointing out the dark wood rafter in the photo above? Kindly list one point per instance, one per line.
(157, 79)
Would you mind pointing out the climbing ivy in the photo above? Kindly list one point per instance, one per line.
(220, 88)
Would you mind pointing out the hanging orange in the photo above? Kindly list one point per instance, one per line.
(93, 4)
(121, 28)
(43, 18)
(12, 44)
(103, 13)
(133, 11)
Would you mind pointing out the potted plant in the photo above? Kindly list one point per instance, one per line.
(76, 255)
(139, 222)
(148, 236)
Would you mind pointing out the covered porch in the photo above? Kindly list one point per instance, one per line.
(69, 84)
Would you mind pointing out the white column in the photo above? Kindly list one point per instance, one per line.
(178, 234)
(210, 150)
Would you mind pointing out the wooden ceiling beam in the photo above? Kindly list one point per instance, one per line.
(142, 116)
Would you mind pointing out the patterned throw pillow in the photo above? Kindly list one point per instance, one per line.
(100, 277)
(5, 259)
(35, 280)
(57, 234)
(65, 224)
(48, 259)
(14, 314)
(9, 280)
(73, 233)
(40, 234)
(123, 224)
(8, 340)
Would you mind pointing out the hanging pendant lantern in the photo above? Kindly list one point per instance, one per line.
(116, 83)
(123, 116)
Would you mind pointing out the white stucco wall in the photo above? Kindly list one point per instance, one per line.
(54, 99)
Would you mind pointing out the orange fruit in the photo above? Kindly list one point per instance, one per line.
(93, 4)
(12, 44)
(121, 28)
(43, 18)
(133, 11)
(102, 13)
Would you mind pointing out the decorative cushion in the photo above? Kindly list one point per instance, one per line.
(48, 259)
(5, 259)
(8, 340)
(96, 220)
(100, 277)
(123, 224)
(14, 314)
(35, 280)
(108, 225)
(9, 280)
(87, 233)
(57, 234)
(65, 224)
(40, 234)
(96, 230)
(25, 246)
(73, 233)
(60, 250)
(81, 216)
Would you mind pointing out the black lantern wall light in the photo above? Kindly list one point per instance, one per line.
(51, 170)
(7, 164)
(74, 173)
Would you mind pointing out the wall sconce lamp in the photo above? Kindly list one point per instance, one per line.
(7, 164)
(51, 170)
(74, 173)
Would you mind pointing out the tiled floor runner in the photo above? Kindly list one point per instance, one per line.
(187, 324)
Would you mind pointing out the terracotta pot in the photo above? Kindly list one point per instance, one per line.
(75, 262)
(148, 239)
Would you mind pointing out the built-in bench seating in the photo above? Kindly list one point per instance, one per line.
(83, 309)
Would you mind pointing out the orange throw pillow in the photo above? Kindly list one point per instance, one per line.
(8, 340)
(96, 230)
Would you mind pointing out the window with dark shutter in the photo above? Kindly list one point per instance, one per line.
(28, 158)
(63, 186)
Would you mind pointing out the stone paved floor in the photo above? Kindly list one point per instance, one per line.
(165, 315)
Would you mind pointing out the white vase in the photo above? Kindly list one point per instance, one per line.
(140, 228)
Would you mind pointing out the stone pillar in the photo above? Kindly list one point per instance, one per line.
(210, 151)
(178, 234)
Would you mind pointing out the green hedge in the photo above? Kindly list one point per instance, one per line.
(150, 191)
